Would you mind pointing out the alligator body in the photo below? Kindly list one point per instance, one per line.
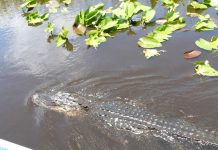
(123, 115)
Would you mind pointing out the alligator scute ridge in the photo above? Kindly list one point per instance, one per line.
(121, 113)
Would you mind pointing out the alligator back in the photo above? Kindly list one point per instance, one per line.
(124, 115)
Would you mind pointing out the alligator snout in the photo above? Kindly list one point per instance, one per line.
(58, 101)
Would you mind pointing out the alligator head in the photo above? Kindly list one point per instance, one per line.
(60, 101)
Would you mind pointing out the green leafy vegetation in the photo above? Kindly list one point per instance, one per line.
(206, 45)
(29, 4)
(171, 4)
(34, 18)
(98, 24)
(162, 33)
(204, 4)
(198, 5)
(50, 27)
(205, 69)
(205, 23)
(129, 8)
(67, 1)
(119, 18)
(62, 37)
(91, 16)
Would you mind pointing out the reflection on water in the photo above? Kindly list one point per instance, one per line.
(117, 69)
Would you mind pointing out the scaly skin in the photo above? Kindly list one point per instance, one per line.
(123, 115)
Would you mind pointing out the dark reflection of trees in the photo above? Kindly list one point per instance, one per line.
(68, 46)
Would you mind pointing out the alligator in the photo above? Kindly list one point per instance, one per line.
(120, 114)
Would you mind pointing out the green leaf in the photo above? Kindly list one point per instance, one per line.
(91, 16)
(62, 37)
(205, 23)
(123, 24)
(205, 69)
(60, 41)
(95, 38)
(214, 42)
(160, 36)
(148, 42)
(161, 33)
(50, 27)
(129, 8)
(28, 4)
(172, 16)
(204, 44)
(139, 7)
(34, 18)
(148, 15)
(67, 2)
(170, 4)
(197, 5)
(107, 23)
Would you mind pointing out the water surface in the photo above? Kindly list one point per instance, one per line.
(166, 85)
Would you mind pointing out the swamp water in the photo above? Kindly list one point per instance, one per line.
(165, 86)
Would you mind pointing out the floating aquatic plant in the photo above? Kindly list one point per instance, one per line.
(119, 18)
(91, 16)
(208, 45)
(205, 23)
(197, 5)
(204, 4)
(162, 33)
(205, 69)
(34, 18)
(29, 4)
(50, 27)
(171, 4)
(62, 37)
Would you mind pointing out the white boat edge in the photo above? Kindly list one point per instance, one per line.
(6, 145)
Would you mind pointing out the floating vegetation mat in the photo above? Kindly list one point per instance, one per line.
(98, 24)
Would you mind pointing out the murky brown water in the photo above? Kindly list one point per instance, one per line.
(166, 84)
